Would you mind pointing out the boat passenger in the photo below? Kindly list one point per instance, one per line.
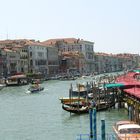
(37, 85)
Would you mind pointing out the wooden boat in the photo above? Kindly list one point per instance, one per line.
(76, 110)
(83, 107)
(73, 99)
(102, 105)
(74, 104)
(127, 130)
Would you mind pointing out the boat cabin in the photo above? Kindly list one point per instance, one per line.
(129, 129)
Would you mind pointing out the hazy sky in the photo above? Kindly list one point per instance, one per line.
(114, 25)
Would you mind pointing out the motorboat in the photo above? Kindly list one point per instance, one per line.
(127, 130)
(35, 89)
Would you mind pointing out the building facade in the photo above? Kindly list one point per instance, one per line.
(53, 60)
(76, 45)
(37, 58)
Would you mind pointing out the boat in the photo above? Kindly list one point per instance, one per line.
(83, 107)
(66, 78)
(2, 86)
(82, 90)
(73, 99)
(74, 104)
(102, 105)
(76, 110)
(79, 108)
(17, 80)
(127, 130)
(35, 89)
(36, 81)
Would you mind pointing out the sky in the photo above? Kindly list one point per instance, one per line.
(113, 25)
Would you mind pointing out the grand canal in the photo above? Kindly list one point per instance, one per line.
(40, 116)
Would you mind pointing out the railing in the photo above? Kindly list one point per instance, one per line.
(99, 137)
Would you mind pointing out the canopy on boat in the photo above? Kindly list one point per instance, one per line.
(17, 76)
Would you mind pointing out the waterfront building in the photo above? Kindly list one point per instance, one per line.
(17, 47)
(42, 58)
(130, 61)
(58, 56)
(115, 62)
(100, 62)
(34, 57)
(10, 62)
(76, 45)
(72, 63)
(107, 63)
(37, 57)
(23, 61)
(53, 60)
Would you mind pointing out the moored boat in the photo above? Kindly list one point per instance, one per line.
(73, 99)
(76, 110)
(2, 86)
(17, 80)
(83, 107)
(127, 130)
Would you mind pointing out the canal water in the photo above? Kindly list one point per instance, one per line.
(40, 116)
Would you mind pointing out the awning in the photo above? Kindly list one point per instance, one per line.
(114, 85)
(17, 77)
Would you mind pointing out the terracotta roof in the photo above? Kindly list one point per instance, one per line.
(7, 50)
(13, 41)
(35, 43)
(102, 54)
(66, 40)
(20, 43)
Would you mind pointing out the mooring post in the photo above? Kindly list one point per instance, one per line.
(91, 124)
(130, 113)
(70, 94)
(94, 126)
(93, 132)
(103, 129)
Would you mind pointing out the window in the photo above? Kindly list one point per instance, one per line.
(31, 54)
(40, 54)
(31, 62)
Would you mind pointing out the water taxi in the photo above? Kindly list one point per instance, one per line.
(17, 80)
